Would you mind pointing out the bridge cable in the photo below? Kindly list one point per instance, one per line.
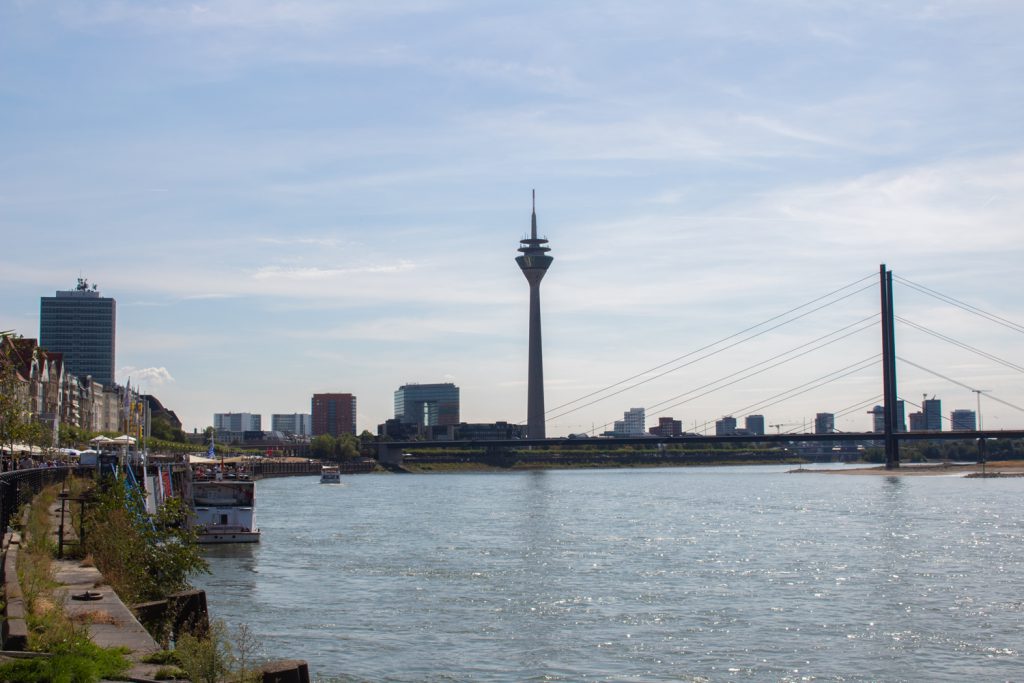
(862, 327)
(962, 345)
(789, 393)
(719, 380)
(958, 383)
(725, 339)
(868, 360)
(691, 362)
(991, 317)
(843, 412)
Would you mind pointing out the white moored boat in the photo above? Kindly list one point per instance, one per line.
(330, 474)
(224, 511)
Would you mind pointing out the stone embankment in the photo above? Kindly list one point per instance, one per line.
(88, 599)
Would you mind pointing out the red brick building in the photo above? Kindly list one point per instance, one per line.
(334, 414)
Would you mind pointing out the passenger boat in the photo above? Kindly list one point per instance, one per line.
(330, 474)
(225, 511)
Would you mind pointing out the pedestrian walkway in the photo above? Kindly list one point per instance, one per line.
(88, 600)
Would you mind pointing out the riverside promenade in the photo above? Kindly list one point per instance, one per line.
(87, 600)
(108, 619)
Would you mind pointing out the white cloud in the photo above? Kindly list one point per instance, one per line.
(144, 377)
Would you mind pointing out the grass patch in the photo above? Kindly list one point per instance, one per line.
(75, 658)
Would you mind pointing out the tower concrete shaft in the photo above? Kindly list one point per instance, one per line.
(534, 263)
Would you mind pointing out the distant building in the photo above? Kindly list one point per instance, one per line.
(238, 422)
(932, 410)
(917, 422)
(962, 420)
(489, 431)
(396, 430)
(824, 423)
(294, 424)
(427, 405)
(667, 427)
(754, 424)
(726, 426)
(158, 411)
(631, 424)
(334, 414)
(81, 325)
(878, 418)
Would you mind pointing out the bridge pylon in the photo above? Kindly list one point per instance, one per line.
(892, 444)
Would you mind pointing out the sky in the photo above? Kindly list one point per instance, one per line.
(287, 198)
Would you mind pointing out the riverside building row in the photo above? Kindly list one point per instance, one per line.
(51, 395)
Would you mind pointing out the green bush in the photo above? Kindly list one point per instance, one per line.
(144, 557)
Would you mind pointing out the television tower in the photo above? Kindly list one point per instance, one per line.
(534, 262)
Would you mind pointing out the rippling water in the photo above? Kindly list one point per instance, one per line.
(742, 573)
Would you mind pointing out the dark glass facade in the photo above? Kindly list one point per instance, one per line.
(427, 405)
(81, 325)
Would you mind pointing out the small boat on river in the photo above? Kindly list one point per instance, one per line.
(330, 474)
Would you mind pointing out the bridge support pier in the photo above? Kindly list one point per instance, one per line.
(388, 455)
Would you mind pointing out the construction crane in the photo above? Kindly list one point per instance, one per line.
(979, 392)
(778, 427)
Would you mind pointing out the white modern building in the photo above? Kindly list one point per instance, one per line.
(297, 424)
(237, 422)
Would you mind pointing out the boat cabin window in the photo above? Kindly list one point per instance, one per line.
(223, 519)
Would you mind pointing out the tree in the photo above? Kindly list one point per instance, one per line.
(322, 447)
(346, 447)
(14, 406)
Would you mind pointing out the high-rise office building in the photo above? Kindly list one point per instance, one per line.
(726, 426)
(334, 414)
(932, 410)
(81, 325)
(237, 422)
(962, 420)
(298, 424)
(824, 423)
(534, 263)
(754, 424)
(426, 405)
(878, 418)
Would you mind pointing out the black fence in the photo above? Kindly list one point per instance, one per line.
(268, 469)
(19, 486)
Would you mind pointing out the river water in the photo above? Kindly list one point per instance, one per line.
(692, 574)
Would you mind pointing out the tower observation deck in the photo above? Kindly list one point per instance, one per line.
(534, 262)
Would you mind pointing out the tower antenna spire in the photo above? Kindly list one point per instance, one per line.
(533, 217)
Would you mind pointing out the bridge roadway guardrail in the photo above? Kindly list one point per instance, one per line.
(707, 439)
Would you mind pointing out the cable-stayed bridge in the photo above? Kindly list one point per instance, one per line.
(891, 434)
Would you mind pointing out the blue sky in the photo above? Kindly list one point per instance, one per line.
(288, 198)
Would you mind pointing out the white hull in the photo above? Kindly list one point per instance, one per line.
(224, 512)
(330, 475)
(211, 536)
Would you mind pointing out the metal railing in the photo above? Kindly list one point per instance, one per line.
(19, 486)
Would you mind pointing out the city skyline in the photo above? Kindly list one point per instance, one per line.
(289, 200)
